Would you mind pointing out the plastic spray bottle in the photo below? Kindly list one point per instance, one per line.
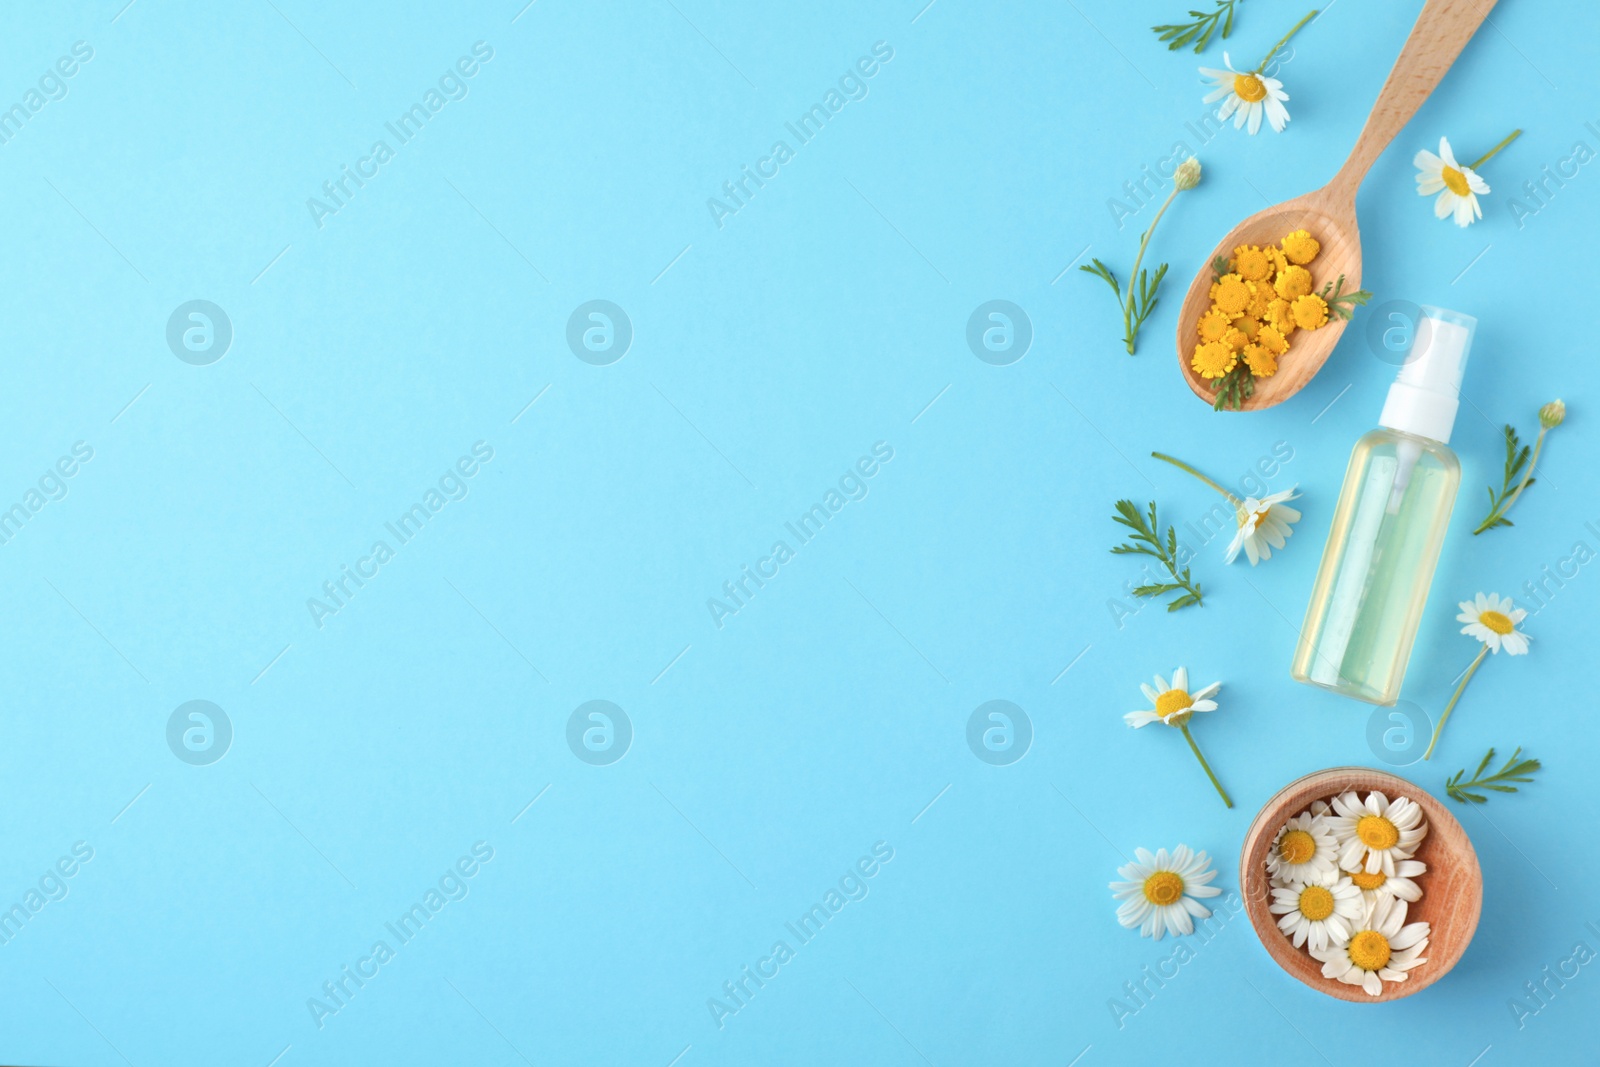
(1389, 525)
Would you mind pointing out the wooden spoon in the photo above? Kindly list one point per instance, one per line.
(1329, 213)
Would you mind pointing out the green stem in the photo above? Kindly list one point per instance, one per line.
(1238, 505)
(1512, 136)
(1527, 476)
(1280, 44)
(1133, 278)
(1448, 708)
(1187, 736)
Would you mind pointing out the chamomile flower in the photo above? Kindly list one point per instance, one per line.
(1458, 185)
(1310, 312)
(1231, 293)
(1376, 886)
(1300, 247)
(1251, 263)
(1384, 832)
(1382, 948)
(1264, 524)
(1160, 894)
(1273, 340)
(1213, 359)
(1304, 851)
(1174, 704)
(1280, 316)
(1293, 282)
(1321, 911)
(1279, 260)
(1249, 96)
(1493, 620)
(1213, 325)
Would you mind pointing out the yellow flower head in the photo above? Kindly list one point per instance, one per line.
(1213, 324)
(1262, 295)
(1262, 363)
(1301, 247)
(1251, 264)
(1248, 327)
(1213, 359)
(1280, 317)
(1293, 282)
(1232, 295)
(1280, 262)
(1310, 312)
(1272, 339)
(1235, 338)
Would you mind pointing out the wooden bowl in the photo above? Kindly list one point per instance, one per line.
(1452, 888)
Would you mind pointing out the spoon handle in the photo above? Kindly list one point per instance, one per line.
(1441, 32)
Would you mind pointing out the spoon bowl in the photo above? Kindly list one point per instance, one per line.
(1334, 225)
(1329, 213)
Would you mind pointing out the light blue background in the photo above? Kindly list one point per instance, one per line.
(768, 355)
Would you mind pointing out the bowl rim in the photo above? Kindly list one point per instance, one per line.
(1252, 872)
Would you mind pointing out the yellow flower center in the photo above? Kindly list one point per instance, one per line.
(1300, 247)
(1310, 312)
(1213, 359)
(1297, 847)
(1456, 182)
(1271, 338)
(1163, 888)
(1249, 88)
(1172, 701)
(1251, 263)
(1281, 315)
(1500, 624)
(1370, 950)
(1231, 294)
(1213, 325)
(1363, 880)
(1316, 902)
(1293, 282)
(1377, 833)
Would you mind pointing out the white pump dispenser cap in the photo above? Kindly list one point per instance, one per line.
(1424, 398)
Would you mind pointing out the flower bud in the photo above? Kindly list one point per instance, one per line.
(1552, 414)
(1187, 175)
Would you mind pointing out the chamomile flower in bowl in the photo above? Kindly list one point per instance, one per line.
(1303, 851)
(1383, 948)
(1319, 912)
(1376, 833)
(1376, 886)
(1388, 932)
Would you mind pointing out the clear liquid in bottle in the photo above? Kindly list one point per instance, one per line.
(1388, 530)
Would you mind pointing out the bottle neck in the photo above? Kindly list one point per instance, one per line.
(1419, 411)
